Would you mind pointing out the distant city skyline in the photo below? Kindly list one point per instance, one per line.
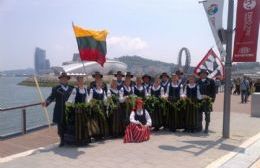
(153, 29)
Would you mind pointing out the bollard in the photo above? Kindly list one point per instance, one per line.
(23, 121)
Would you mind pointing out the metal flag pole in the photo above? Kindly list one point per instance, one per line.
(42, 100)
(228, 66)
(84, 68)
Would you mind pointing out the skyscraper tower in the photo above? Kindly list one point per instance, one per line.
(41, 64)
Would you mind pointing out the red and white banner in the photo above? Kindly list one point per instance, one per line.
(212, 64)
(247, 29)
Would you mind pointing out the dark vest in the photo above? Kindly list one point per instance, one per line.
(120, 85)
(191, 92)
(139, 93)
(114, 93)
(174, 92)
(141, 118)
(164, 86)
(98, 96)
(126, 92)
(156, 93)
(147, 87)
(80, 98)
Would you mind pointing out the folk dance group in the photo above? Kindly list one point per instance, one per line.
(131, 109)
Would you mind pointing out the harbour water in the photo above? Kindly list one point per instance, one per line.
(12, 95)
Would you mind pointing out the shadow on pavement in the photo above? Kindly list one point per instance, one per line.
(202, 146)
(72, 152)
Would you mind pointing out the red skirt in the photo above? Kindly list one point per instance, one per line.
(136, 133)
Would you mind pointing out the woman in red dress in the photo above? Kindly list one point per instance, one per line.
(140, 122)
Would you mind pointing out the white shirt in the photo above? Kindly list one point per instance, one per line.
(147, 117)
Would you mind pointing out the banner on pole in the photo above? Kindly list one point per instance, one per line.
(214, 12)
(212, 64)
(247, 29)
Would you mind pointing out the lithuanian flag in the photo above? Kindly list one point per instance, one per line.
(91, 44)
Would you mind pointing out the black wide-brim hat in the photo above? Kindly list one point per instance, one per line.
(203, 71)
(164, 74)
(64, 75)
(97, 73)
(129, 74)
(119, 73)
(146, 76)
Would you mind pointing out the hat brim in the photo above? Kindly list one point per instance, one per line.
(130, 76)
(164, 75)
(63, 76)
(147, 76)
(119, 74)
(94, 75)
(203, 72)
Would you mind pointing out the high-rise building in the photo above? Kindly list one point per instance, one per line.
(41, 64)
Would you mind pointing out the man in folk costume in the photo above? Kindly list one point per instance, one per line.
(192, 92)
(79, 95)
(60, 94)
(119, 79)
(139, 90)
(97, 76)
(164, 81)
(140, 122)
(175, 91)
(147, 82)
(207, 91)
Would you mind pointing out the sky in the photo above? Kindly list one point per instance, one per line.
(154, 29)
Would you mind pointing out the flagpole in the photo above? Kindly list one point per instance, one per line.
(42, 100)
(228, 66)
(84, 68)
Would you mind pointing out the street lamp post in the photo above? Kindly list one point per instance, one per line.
(228, 66)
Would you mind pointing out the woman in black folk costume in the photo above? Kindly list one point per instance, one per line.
(78, 118)
(175, 117)
(157, 114)
(192, 92)
(116, 124)
(99, 94)
(139, 89)
(126, 91)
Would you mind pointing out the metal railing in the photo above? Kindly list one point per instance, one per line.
(23, 113)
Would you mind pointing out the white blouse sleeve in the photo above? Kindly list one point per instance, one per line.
(121, 95)
(184, 93)
(72, 96)
(182, 90)
(199, 96)
(148, 118)
(87, 95)
(132, 118)
(90, 96)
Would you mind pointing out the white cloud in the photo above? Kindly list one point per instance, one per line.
(127, 44)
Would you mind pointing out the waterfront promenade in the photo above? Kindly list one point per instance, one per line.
(165, 149)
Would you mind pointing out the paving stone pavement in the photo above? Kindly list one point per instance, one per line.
(164, 150)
